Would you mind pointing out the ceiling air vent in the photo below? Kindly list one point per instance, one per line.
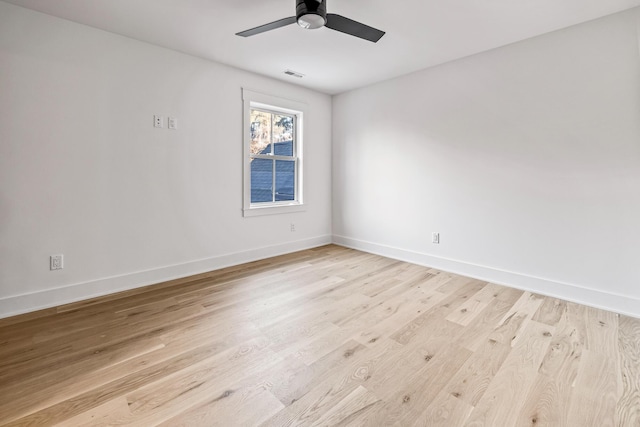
(294, 74)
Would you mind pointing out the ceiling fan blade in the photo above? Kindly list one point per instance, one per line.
(267, 27)
(354, 28)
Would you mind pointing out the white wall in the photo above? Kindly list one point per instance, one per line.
(84, 173)
(526, 159)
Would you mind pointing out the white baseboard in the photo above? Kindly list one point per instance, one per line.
(617, 303)
(25, 303)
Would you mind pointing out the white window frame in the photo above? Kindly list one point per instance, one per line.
(251, 99)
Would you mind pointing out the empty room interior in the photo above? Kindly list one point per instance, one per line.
(319, 213)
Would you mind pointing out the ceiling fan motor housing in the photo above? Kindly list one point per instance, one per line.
(311, 13)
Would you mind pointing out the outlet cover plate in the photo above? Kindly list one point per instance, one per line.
(56, 262)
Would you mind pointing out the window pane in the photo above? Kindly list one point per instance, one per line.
(285, 180)
(283, 132)
(284, 148)
(261, 180)
(260, 132)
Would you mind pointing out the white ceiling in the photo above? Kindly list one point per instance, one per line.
(420, 33)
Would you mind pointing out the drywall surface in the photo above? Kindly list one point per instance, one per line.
(526, 160)
(84, 173)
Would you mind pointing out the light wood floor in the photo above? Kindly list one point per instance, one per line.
(329, 336)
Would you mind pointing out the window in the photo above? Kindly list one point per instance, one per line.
(272, 154)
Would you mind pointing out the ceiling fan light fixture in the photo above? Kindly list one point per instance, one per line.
(311, 21)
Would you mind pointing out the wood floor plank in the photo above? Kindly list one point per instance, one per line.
(291, 384)
(228, 366)
(445, 410)
(327, 336)
(247, 406)
(486, 323)
(355, 402)
(550, 312)
(549, 399)
(458, 295)
(595, 398)
(516, 319)
(467, 312)
(330, 390)
(628, 407)
(471, 381)
(428, 382)
(109, 413)
(508, 390)
(413, 305)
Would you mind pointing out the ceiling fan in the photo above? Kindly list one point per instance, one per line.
(312, 14)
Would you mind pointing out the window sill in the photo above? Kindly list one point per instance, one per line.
(273, 209)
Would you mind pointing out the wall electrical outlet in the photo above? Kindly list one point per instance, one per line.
(435, 238)
(56, 262)
(293, 227)
(158, 121)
